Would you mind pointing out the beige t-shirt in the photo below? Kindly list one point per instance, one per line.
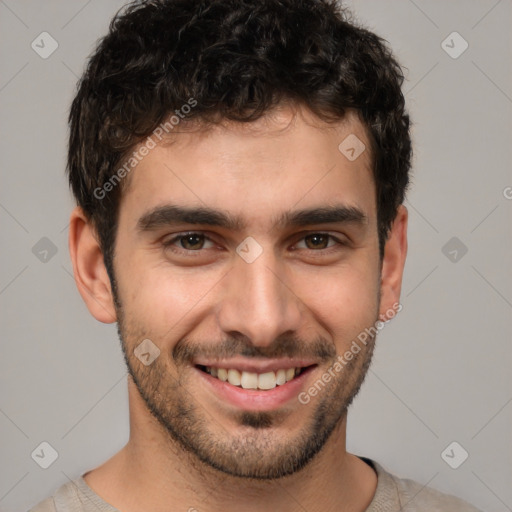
(393, 494)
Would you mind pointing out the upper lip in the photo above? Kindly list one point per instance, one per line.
(255, 366)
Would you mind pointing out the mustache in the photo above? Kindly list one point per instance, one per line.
(186, 351)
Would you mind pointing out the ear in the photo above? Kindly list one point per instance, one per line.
(395, 251)
(89, 268)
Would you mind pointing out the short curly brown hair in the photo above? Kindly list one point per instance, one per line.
(237, 59)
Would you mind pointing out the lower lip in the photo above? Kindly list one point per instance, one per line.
(255, 400)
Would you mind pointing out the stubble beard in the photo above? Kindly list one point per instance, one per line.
(256, 451)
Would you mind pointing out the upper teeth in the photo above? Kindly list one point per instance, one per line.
(249, 380)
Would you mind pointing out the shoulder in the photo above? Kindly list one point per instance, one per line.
(47, 505)
(412, 496)
(73, 496)
(66, 498)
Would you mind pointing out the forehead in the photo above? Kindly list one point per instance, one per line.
(288, 159)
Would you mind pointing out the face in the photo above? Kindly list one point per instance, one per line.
(249, 253)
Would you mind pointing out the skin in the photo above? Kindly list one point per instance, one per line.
(312, 301)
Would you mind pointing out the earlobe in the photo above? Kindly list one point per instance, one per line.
(89, 268)
(395, 252)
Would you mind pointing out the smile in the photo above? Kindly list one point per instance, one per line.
(251, 380)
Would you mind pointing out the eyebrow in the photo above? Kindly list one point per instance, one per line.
(169, 215)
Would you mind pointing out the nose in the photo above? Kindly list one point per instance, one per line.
(258, 302)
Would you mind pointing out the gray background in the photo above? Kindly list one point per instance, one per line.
(441, 371)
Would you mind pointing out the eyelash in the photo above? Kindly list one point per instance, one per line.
(169, 244)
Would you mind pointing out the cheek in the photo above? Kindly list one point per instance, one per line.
(345, 302)
(161, 298)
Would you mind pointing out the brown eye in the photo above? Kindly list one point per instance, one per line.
(317, 241)
(192, 242)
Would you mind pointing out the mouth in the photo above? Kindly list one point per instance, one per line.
(254, 381)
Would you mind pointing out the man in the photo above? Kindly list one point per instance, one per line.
(240, 168)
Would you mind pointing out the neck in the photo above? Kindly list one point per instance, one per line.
(152, 471)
